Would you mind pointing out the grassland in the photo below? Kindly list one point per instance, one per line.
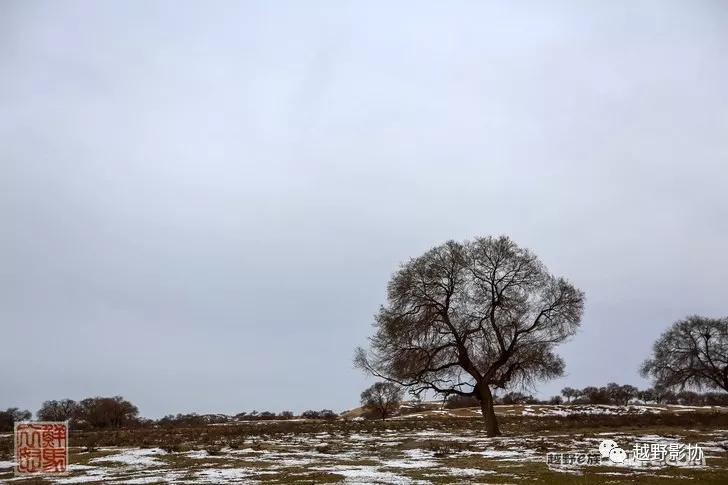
(433, 446)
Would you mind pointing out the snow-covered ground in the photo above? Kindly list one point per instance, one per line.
(415, 455)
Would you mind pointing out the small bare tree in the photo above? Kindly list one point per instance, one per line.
(693, 352)
(621, 394)
(467, 317)
(382, 399)
(569, 393)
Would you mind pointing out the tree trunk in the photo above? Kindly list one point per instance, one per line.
(486, 406)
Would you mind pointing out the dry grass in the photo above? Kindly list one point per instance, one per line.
(417, 450)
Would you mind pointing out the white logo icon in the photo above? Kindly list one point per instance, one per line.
(606, 446)
(609, 449)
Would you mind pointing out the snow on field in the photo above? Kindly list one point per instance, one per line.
(515, 455)
(468, 472)
(224, 475)
(90, 474)
(413, 459)
(425, 452)
(365, 475)
(134, 457)
(425, 455)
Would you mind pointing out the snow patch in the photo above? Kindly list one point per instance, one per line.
(134, 457)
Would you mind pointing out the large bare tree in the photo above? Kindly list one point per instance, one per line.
(465, 318)
(691, 353)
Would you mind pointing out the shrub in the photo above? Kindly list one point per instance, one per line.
(517, 398)
(10, 416)
(107, 412)
(327, 414)
(456, 401)
(556, 400)
(323, 414)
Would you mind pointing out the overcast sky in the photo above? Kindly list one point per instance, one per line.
(202, 202)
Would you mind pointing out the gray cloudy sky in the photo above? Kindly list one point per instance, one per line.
(202, 202)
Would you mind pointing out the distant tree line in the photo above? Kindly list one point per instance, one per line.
(263, 416)
(612, 393)
(116, 412)
(457, 402)
(616, 394)
(90, 413)
(193, 419)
